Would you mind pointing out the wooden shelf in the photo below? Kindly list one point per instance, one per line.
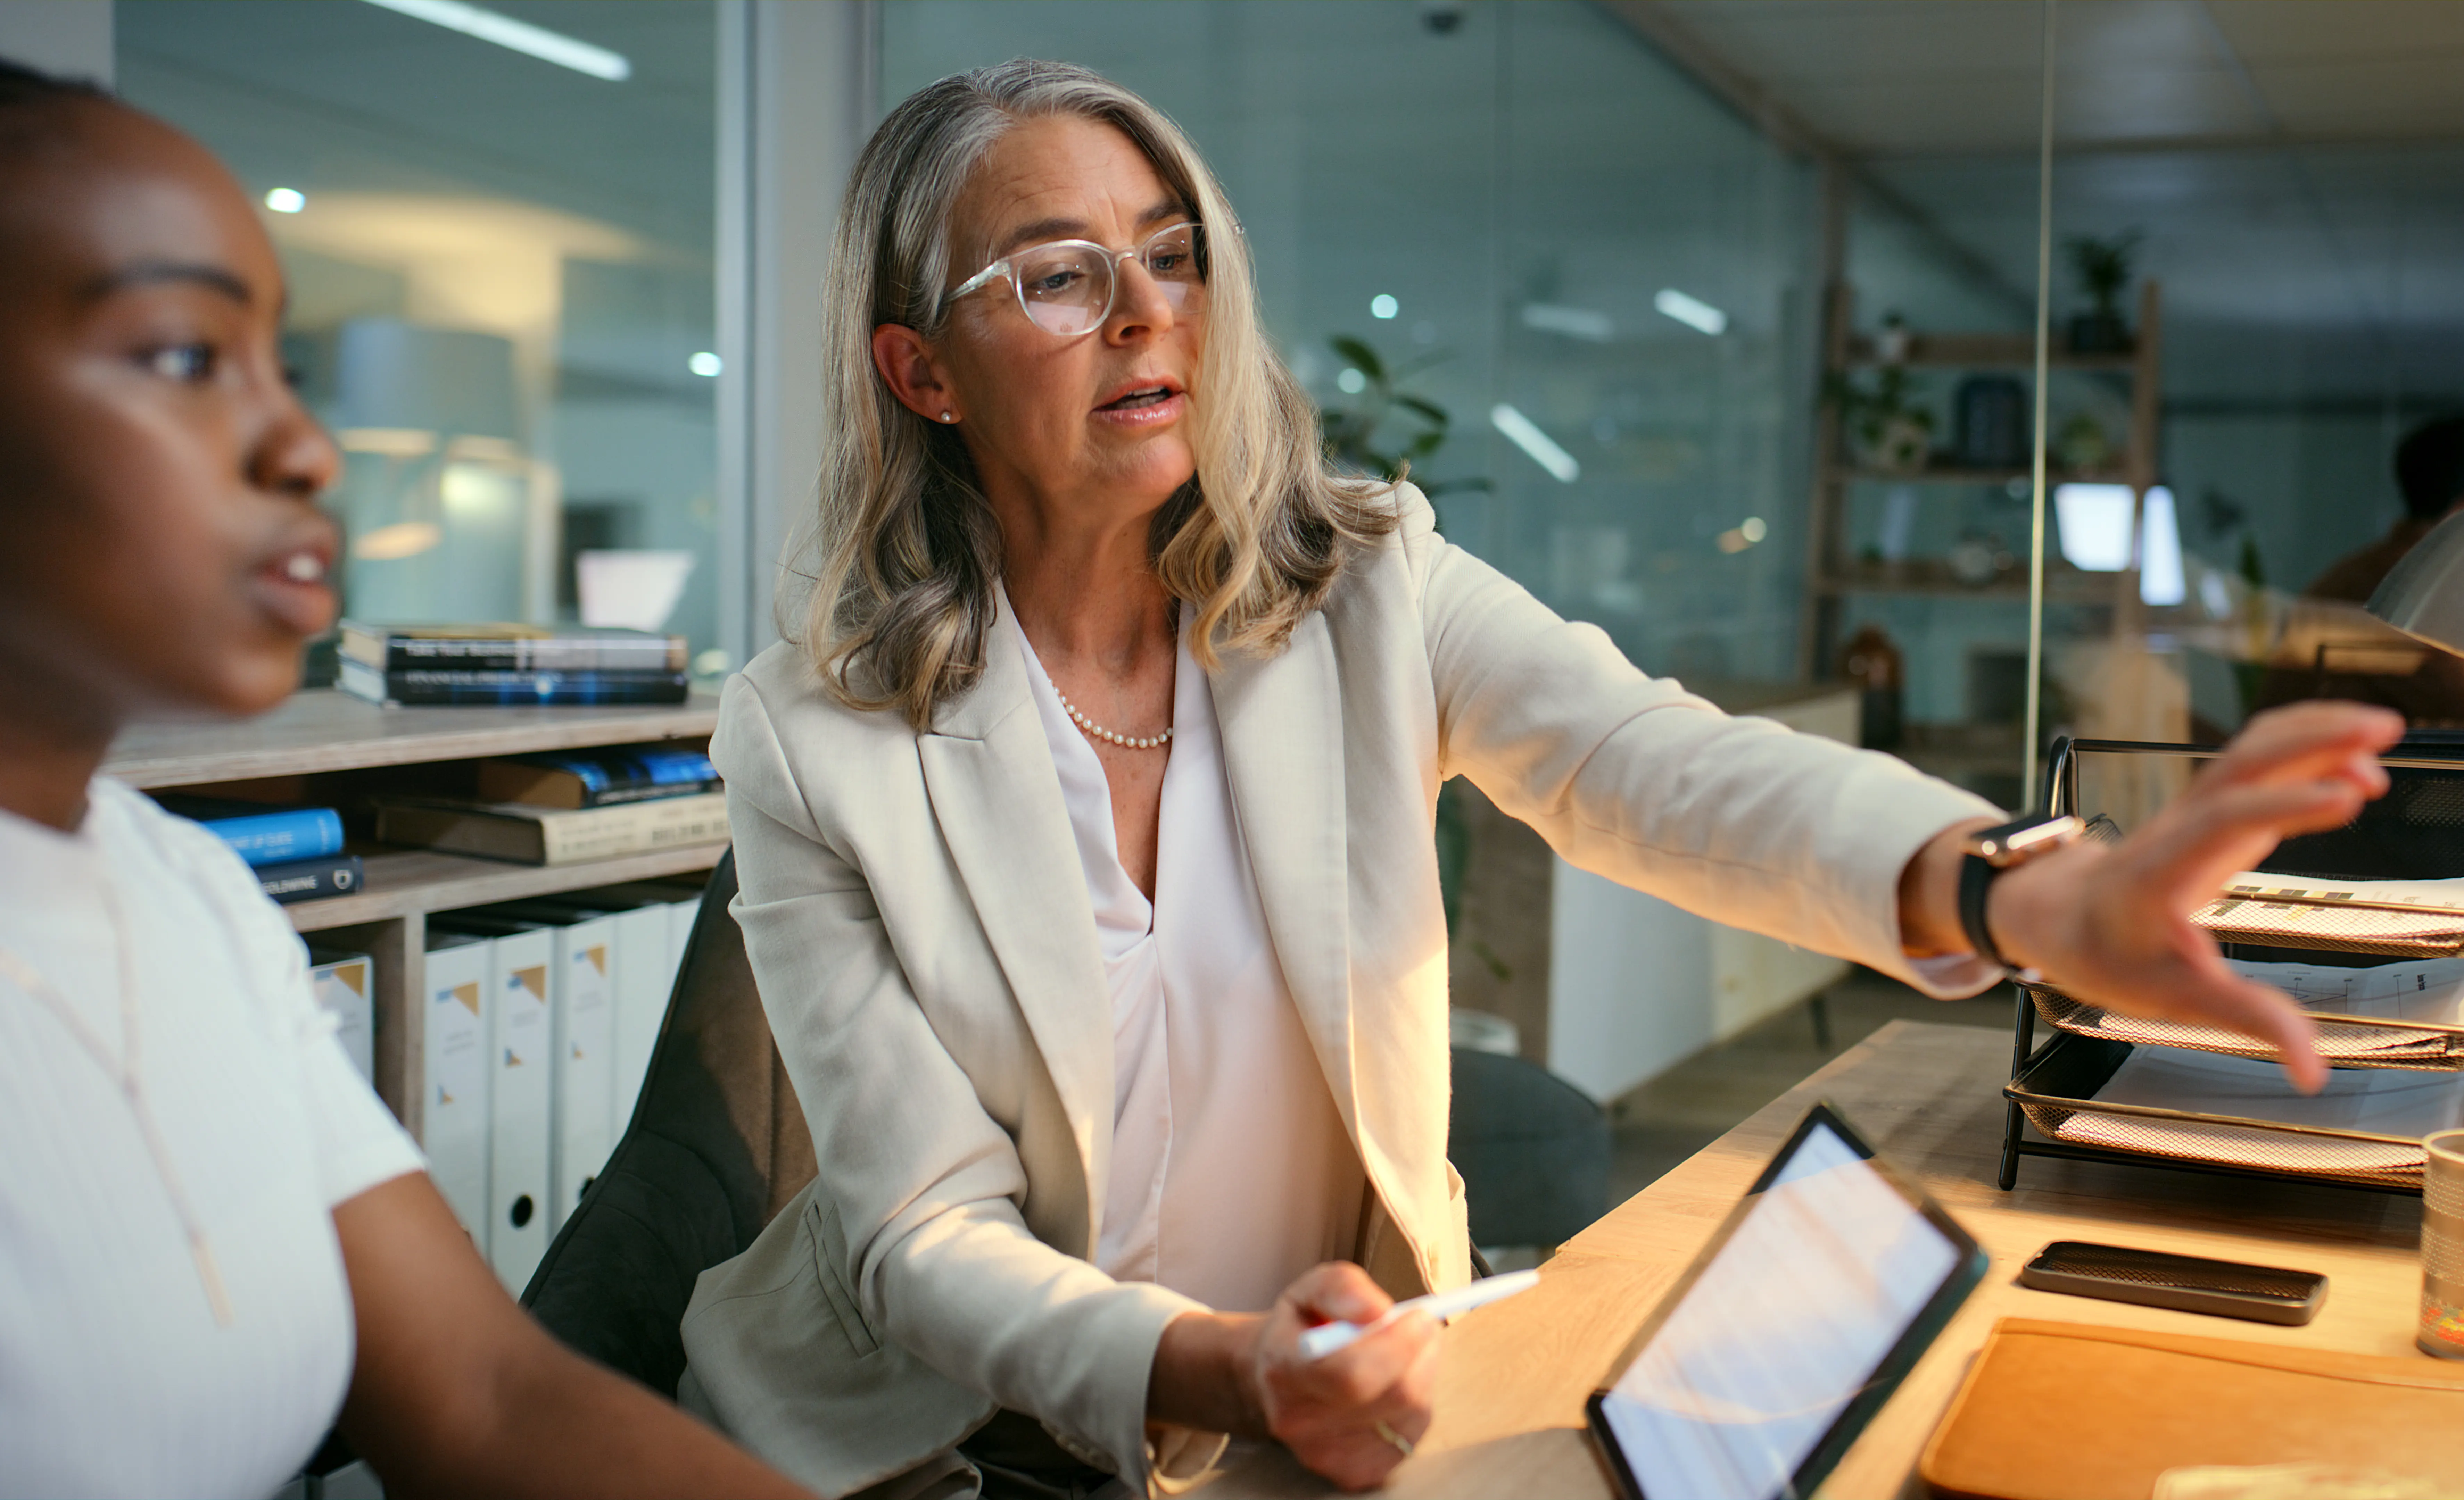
(1929, 576)
(405, 882)
(324, 730)
(1983, 352)
(1981, 476)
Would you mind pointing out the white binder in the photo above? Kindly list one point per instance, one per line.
(341, 982)
(521, 1090)
(455, 1073)
(645, 971)
(583, 999)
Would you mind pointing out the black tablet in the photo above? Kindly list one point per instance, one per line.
(1788, 1332)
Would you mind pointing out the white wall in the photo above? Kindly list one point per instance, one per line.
(72, 38)
(65, 38)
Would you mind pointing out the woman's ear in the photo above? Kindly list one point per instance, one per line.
(905, 362)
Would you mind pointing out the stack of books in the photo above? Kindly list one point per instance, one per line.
(564, 809)
(506, 663)
(295, 852)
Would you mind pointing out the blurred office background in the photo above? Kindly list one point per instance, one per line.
(1729, 309)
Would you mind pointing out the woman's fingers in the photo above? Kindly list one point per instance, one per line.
(2310, 740)
(1328, 1411)
(2260, 1010)
(2186, 858)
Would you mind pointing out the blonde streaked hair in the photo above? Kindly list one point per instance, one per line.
(904, 546)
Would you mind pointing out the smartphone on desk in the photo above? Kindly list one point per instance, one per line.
(2188, 1283)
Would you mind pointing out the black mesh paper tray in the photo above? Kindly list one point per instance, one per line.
(2346, 1041)
(2055, 1092)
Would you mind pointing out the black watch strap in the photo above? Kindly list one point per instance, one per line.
(1976, 876)
(1989, 853)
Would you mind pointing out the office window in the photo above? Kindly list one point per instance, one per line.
(1530, 220)
(501, 268)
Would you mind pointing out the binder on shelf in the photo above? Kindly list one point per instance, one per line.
(341, 982)
(581, 983)
(455, 1058)
(521, 1088)
(646, 969)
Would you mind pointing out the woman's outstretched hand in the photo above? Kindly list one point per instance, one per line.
(1244, 1374)
(2111, 925)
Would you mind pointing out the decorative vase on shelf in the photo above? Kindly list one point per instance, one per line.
(1891, 344)
(1989, 423)
(1900, 442)
(1975, 559)
(1871, 660)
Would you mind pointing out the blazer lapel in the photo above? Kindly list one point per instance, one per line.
(1282, 723)
(988, 769)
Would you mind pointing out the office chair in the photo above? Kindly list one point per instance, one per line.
(716, 1145)
(1533, 1151)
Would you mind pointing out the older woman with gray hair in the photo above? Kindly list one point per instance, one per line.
(1084, 828)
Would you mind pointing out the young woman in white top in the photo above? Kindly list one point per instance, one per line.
(1084, 830)
(214, 1238)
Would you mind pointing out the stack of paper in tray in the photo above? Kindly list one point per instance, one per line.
(2401, 1083)
(565, 808)
(2387, 1103)
(2429, 992)
(2347, 916)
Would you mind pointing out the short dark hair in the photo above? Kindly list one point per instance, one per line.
(2429, 468)
(21, 86)
(34, 105)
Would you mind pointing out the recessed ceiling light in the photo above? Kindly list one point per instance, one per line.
(704, 363)
(1543, 449)
(1384, 306)
(537, 41)
(286, 200)
(1692, 312)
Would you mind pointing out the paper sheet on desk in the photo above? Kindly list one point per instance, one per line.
(2377, 1102)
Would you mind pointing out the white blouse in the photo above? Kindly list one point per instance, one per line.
(1231, 1172)
(116, 1377)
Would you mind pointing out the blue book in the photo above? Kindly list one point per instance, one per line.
(265, 834)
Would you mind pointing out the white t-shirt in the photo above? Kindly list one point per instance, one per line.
(114, 1379)
(1231, 1170)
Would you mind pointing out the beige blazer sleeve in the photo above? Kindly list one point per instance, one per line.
(1631, 777)
(919, 1185)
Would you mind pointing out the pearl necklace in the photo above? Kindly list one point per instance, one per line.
(123, 1072)
(1125, 741)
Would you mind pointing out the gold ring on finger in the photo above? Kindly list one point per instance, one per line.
(1403, 1445)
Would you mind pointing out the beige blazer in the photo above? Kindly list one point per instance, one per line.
(927, 954)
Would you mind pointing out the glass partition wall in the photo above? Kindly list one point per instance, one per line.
(2268, 194)
(501, 273)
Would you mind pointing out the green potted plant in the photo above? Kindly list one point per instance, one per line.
(1891, 432)
(2102, 268)
(1352, 432)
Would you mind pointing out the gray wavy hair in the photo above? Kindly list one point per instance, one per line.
(905, 550)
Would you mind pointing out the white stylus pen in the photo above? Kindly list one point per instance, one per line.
(1316, 1343)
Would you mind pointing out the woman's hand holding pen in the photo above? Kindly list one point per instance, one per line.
(1351, 1416)
(2112, 924)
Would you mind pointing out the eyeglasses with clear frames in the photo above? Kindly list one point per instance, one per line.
(1067, 287)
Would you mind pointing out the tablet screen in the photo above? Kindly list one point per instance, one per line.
(1785, 1324)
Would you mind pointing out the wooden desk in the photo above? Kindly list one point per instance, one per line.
(1511, 1386)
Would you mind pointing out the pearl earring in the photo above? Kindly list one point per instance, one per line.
(949, 416)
